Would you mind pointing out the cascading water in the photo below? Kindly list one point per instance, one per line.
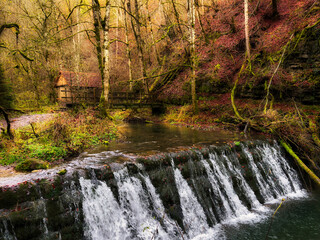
(194, 219)
(103, 216)
(144, 215)
(191, 195)
(137, 208)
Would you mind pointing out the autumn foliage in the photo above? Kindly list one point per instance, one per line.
(221, 48)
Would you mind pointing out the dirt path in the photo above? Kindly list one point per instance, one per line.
(19, 122)
(25, 120)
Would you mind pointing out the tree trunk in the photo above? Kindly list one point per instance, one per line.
(106, 57)
(246, 29)
(102, 48)
(128, 49)
(97, 28)
(6, 117)
(152, 34)
(301, 164)
(274, 8)
(137, 34)
(117, 33)
(191, 16)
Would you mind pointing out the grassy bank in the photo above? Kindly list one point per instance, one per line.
(297, 125)
(48, 143)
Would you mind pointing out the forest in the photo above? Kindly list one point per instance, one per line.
(248, 66)
(159, 119)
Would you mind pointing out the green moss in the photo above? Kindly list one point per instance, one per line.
(62, 171)
(31, 164)
(65, 136)
(237, 143)
(10, 157)
(46, 152)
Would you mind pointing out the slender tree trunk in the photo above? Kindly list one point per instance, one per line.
(176, 14)
(246, 29)
(106, 57)
(128, 50)
(137, 33)
(97, 28)
(76, 44)
(102, 47)
(6, 117)
(152, 35)
(274, 8)
(117, 34)
(191, 16)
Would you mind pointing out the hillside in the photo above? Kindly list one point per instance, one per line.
(221, 52)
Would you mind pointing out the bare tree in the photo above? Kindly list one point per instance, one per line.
(128, 51)
(136, 27)
(152, 34)
(102, 47)
(191, 25)
(246, 29)
(106, 69)
(5, 96)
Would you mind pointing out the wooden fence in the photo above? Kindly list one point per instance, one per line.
(130, 98)
(73, 96)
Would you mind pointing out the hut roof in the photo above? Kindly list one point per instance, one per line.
(72, 79)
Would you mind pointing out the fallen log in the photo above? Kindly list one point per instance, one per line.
(312, 175)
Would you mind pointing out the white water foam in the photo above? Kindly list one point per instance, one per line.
(140, 213)
(135, 204)
(103, 217)
(221, 172)
(171, 227)
(194, 218)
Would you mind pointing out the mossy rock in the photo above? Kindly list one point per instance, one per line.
(31, 164)
(62, 171)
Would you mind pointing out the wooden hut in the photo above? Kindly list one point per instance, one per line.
(74, 88)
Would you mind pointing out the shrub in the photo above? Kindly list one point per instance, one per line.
(46, 152)
(65, 136)
(31, 164)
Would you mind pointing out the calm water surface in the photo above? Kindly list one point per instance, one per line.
(295, 220)
(155, 138)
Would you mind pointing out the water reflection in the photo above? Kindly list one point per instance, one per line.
(153, 138)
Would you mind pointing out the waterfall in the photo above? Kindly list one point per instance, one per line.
(172, 229)
(41, 205)
(194, 219)
(136, 206)
(103, 217)
(193, 194)
(5, 232)
(265, 188)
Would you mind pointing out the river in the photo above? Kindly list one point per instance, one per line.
(177, 183)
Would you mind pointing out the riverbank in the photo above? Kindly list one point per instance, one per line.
(295, 125)
(42, 141)
(58, 206)
(44, 144)
(50, 143)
